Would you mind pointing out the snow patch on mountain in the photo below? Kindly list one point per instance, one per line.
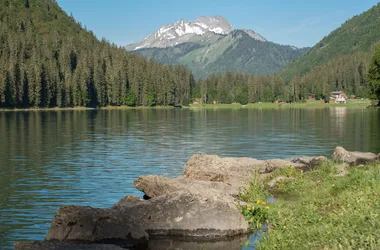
(202, 29)
(183, 31)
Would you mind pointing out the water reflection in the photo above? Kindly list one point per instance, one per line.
(92, 157)
(340, 116)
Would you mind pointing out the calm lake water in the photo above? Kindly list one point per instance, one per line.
(48, 159)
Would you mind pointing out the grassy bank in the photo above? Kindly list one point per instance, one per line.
(82, 108)
(318, 210)
(308, 104)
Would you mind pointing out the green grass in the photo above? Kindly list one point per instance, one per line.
(318, 210)
(309, 104)
(82, 108)
(315, 104)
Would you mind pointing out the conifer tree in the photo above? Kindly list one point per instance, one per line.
(374, 75)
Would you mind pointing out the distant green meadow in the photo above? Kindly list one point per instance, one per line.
(310, 104)
(265, 105)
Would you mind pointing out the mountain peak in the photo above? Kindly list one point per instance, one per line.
(183, 31)
(254, 35)
(216, 24)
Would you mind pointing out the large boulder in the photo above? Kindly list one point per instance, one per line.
(352, 157)
(91, 225)
(238, 171)
(46, 245)
(233, 171)
(187, 214)
(179, 213)
(156, 185)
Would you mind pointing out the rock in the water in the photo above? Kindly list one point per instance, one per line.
(273, 182)
(155, 185)
(234, 171)
(46, 245)
(353, 158)
(177, 214)
(185, 214)
(238, 171)
(91, 225)
(128, 200)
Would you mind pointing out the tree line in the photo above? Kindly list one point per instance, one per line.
(49, 60)
(347, 73)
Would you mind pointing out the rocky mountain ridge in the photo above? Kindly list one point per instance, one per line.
(200, 30)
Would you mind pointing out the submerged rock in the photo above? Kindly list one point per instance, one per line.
(353, 158)
(92, 225)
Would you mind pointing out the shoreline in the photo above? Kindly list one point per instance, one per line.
(82, 108)
(238, 191)
(338, 196)
(355, 104)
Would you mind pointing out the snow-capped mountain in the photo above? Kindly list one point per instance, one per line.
(210, 45)
(183, 31)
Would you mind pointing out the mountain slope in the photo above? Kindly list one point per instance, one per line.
(238, 52)
(210, 45)
(355, 35)
(47, 59)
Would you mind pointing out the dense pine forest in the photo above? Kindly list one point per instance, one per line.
(347, 73)
(47, 59)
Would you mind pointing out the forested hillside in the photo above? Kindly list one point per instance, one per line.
(347, 73)
(356, 35)
(47, 59)
(341, 61)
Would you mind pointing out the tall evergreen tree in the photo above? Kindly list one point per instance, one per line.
(374, 75)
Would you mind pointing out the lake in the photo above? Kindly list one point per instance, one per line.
(91, 158)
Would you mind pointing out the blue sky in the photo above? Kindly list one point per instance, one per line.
(294, 22)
